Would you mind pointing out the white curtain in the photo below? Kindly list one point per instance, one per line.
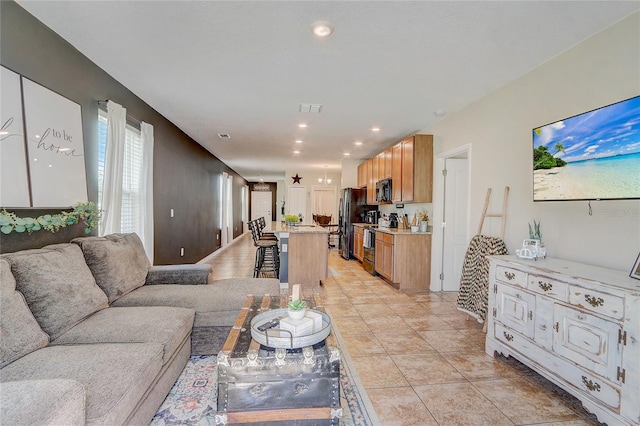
(146, 183)
(113, 166)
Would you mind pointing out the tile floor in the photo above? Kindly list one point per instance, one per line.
(420, 360)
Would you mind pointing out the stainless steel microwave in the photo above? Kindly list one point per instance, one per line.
(383, 191)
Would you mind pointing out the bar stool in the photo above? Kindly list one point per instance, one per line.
(267, 255)
(268, 235)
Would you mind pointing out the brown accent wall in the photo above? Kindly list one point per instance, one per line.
(186, 176)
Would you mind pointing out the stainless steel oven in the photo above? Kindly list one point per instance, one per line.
(369, 256)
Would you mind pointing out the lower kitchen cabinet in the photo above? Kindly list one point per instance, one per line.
(577, 325)
(358, 242)
(404, 259)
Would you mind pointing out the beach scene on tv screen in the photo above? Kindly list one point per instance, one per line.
(595, 155)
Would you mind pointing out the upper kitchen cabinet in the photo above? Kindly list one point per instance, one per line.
(396, 173)
(415, 183)
(362, 174)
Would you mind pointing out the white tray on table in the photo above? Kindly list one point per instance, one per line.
(283, 339)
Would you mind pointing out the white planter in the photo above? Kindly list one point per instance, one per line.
(296, 315)
(423, 226)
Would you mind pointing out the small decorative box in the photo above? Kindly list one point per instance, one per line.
(301, 327)
(317, 320)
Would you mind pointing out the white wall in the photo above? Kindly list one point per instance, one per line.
(601, 70)
(350, 173)
(309, 180)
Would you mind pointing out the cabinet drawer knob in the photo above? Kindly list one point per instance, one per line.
(507, 336)
(509, 275)
(556, 327)
(593, 300)
(545, 286)
(591, 385)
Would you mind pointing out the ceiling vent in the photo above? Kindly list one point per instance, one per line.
(314, 108)
(224, 135)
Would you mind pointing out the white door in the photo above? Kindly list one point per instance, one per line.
(456, 229)
(297, 201)
(324, 202)
(261, 206)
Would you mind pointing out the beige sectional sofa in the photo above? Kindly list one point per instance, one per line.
(91, 333)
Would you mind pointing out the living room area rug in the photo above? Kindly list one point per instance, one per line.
(192, 400)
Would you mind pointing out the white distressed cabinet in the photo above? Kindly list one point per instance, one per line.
(577, 325)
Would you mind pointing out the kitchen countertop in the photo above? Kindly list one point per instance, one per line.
(304, 228)
(401, 231)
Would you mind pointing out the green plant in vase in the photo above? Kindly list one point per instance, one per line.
(291, 219)
(297, 309)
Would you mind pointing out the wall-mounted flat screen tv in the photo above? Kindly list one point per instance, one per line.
(591, 156)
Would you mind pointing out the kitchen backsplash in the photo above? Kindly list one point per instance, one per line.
(408, 209)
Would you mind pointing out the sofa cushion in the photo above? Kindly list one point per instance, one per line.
(42, 402)
(118, 262)
(167, 326)
(216, 304)
(20, 333)
(57, 285)
(115, 376)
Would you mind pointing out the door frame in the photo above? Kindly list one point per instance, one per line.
(437, 241)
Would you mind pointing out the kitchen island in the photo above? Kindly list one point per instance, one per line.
(304, 255)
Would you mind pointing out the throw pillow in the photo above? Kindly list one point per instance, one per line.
(21, 334)
(57, 285)
(118, 262)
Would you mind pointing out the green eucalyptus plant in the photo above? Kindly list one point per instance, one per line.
(534, 232)
(86, 212)
(297, 305)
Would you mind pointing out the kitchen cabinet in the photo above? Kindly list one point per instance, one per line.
(382, 165)
(403, 259)
(362, 174)
(371, 183)
(396, 173)
(358, 242)
(384, 255)
(388, 154)
(577, 325)
(417, 169)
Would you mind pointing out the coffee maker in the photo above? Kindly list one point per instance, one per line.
(393, 220)
(372, 216)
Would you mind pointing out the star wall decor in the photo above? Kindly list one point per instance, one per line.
(296, 178)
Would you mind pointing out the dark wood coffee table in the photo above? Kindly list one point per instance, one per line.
(258, 384)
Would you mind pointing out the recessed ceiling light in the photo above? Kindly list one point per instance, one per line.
(302, 125)
(358, 143)
(375, 129)
(298, 141)
(296, 152)
(322, 29)
(347, 153)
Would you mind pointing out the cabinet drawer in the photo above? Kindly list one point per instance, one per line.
(515, 309)
(511, 276)
(549, 287)
(387, 238)
(587, 340)
(595, 301)
(587, 382)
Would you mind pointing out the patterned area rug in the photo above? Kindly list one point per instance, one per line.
(192, 400)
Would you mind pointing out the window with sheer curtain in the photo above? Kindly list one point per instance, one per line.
(131, 190)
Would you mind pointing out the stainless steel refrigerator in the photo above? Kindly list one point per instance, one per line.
(353, 209)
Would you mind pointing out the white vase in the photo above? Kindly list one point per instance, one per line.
(296, 315)
(423, 226)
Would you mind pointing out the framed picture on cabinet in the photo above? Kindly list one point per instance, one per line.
(635, 272)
